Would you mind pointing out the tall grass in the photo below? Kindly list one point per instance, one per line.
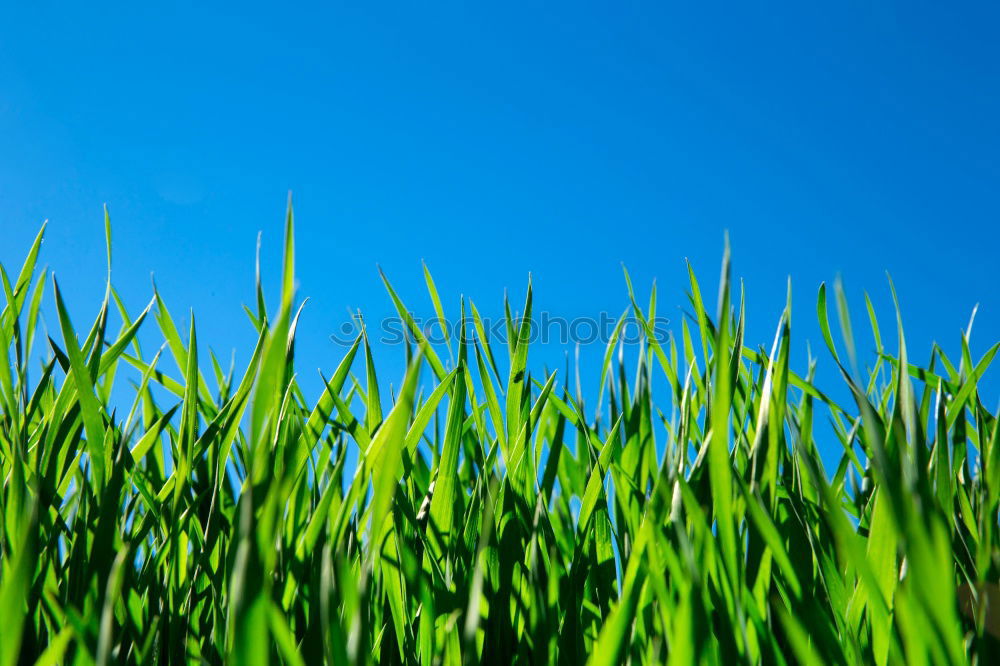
(214, 517)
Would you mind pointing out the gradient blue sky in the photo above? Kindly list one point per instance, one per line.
(555, 138)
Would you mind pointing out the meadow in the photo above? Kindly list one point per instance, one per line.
(475, 512)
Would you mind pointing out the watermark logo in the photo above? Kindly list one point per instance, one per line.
(544, 328)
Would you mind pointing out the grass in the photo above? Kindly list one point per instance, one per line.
(215, 517)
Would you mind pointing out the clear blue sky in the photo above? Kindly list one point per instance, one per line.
(560, 139)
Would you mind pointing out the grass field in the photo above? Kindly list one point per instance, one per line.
(215, 516)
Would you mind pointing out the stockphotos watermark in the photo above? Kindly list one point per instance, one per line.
(543, 328)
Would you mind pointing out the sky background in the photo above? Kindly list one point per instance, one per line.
(559, 139)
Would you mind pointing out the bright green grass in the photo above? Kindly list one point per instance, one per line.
(489, 518)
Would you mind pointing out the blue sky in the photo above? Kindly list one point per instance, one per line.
(492, 142)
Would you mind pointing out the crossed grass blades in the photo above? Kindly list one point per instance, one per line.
(217, 517)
